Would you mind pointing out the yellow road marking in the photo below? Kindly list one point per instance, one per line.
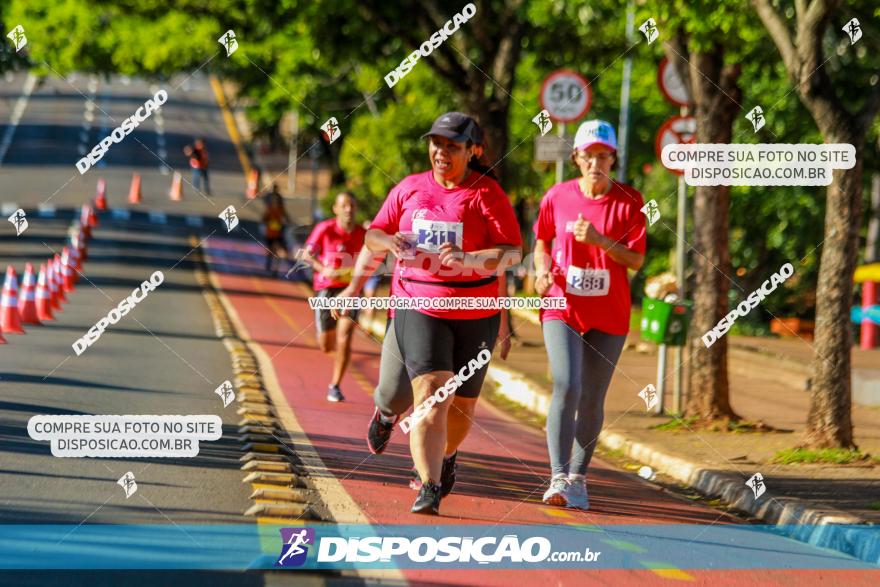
(556, 513)
(230, 124)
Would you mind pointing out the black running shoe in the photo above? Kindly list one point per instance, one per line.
(379, 433)
(447, 475)
(428, 501)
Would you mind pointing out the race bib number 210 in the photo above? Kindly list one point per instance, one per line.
(587, 282)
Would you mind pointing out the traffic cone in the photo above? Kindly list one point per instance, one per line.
(176, 193)
(44, 296)
(101, 196)
(10, 321)
(66, 270)
(79, 241)
(253, 185)
(84, 217)
(134, 193)
(75, 262)
(55, 283)
(27, 302)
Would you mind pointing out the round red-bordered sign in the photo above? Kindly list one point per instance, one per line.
(678, 130)
(671, 85)
(566, 95)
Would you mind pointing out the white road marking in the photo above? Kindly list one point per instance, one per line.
(17, 113)
(46, 210)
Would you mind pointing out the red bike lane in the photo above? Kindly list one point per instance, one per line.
(502, 467)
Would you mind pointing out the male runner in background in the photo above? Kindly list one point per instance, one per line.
(331, 249)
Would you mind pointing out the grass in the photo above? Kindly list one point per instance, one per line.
(676, 424)
(875, 506)
(836, 456)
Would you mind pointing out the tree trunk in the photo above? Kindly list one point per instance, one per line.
(715, 93)
(829, 424)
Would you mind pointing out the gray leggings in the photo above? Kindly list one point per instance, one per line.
(582, 368)
(394, 395)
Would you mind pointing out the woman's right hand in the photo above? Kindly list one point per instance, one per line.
(398, 244)
(543, 283)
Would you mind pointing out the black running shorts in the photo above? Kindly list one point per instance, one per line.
(323, 318)
(430, 344)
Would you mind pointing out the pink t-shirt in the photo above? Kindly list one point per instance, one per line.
(595, 286)
(333, 247)
(475, 215)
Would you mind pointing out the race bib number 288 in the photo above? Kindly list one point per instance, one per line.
(433, 233)
(587, 282)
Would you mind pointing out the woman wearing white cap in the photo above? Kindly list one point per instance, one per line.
(593, 230)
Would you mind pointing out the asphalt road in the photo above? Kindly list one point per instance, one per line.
(163, 358)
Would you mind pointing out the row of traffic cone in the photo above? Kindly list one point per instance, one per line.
(134, 192)
(42, 294)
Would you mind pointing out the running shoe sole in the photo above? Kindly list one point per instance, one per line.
(556, 499)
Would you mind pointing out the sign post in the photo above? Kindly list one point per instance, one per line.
(676, 130)
(567, 97)
(681, 129)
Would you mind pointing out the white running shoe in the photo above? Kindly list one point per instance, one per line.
(558, 492)
(577, 492)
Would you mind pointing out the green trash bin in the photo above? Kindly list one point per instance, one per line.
(665, 323)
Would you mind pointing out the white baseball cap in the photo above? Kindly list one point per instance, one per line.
(594, 132)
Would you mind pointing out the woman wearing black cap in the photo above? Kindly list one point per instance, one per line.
(465, 233)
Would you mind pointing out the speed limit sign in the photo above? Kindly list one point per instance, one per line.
(566, 95)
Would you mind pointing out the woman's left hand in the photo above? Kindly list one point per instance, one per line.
(452, 255)
(585, 232)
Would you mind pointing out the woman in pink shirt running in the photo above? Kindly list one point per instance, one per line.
(465, 233)
(597, 231)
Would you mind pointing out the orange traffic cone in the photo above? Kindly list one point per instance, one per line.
(75, 262)
(79, 242)
(66, 270)
(134, 193)
(27, 302)
(84, 216)
(176, 193)
(44, 296)
(10, 321)
(55, 286)
(101, 196)
(253, 185)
